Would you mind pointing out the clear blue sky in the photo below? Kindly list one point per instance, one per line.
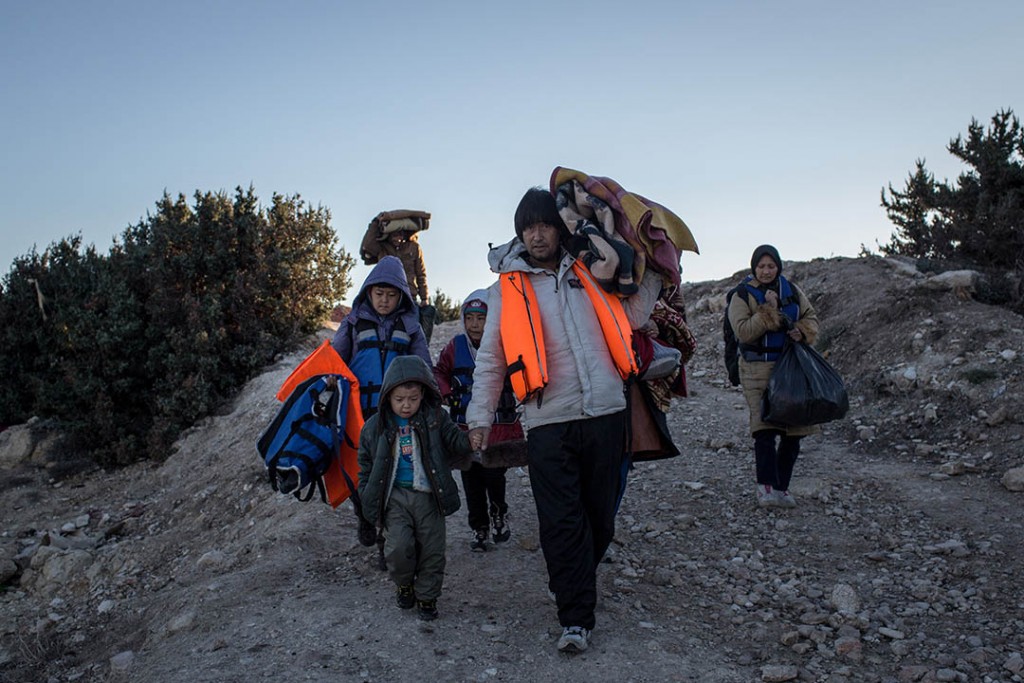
(755, 122)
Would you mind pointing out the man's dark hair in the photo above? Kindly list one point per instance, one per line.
(537, 206)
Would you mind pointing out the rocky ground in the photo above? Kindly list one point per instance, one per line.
(902, 562)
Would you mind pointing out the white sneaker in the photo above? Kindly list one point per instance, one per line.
(766, 497)
(574, 640)
(784, 499)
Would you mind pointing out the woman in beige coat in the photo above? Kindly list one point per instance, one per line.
(769, 308)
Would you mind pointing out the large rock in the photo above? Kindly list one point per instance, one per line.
(963, 282)
(1013, 480)
(845, 598)
(54, 570)
(16, 445)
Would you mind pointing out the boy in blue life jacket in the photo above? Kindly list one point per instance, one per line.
(383, 325)
(483, 478)
(406, 483)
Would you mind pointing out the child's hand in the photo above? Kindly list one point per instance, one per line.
(478, 438)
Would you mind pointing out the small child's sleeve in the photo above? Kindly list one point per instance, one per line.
(365, 456)
(455, 440)
(443, 369)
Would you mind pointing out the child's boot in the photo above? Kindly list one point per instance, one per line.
(405, 596)
(428, 609)
(479, 542)
(501, 531)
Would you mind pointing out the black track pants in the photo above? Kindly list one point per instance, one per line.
(574, 473)
(480, 484)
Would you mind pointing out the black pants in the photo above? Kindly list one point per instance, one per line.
(575, 473)
(775, 466)
(480, 483)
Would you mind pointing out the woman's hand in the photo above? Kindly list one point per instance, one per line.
(795, 334)
(772, 298)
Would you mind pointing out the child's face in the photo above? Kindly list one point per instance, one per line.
(384, 299)
(405, 400)
(475, 326)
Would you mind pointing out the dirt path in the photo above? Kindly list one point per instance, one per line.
(884, 572)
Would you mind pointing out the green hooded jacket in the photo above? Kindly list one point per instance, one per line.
(440, 441)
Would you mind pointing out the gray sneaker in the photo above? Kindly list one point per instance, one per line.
(574, 640)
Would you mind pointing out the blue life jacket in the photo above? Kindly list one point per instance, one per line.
(461, 379)
(770, 345)
(372, 357)
(462, 387)
(305, 436)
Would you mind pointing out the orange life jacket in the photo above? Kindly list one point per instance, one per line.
(326, 361)
(521, 335)
(523, 338)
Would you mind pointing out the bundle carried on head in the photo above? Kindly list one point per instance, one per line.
(384, 224)
(401, 219)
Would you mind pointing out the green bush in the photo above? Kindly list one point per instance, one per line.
(446, 308)
(126, 350)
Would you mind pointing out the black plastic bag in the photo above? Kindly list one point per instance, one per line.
(803, 389)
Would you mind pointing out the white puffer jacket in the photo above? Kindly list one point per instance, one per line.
(582, 379)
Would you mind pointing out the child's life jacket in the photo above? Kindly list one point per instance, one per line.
(462, 387)
(372, 356)
(304, 438)
(312, 442)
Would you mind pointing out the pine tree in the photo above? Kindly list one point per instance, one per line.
(978, 220)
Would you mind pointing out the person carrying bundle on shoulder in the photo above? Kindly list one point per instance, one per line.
(396, 233)
(565, 344)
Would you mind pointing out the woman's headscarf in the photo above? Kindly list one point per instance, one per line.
(762, 251)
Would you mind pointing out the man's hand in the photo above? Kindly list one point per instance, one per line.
(478, 438)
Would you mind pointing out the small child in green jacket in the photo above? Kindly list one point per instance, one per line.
(406, 483)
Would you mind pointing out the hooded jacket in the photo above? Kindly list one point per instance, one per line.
(389, 271)
(582, 379)
(449, 371)
(440, 441)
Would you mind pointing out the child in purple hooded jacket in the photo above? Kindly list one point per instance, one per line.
(383, 324)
